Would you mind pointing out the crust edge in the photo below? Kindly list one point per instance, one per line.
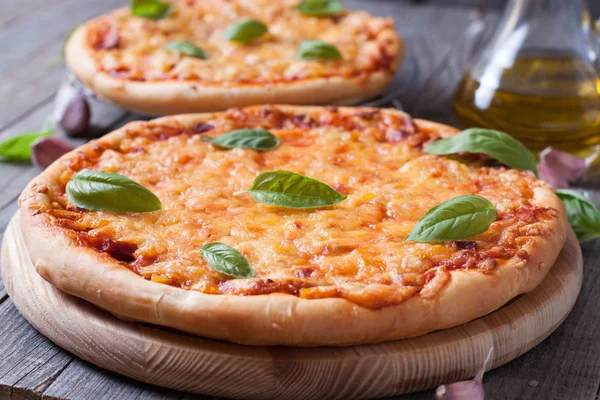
(281, 319)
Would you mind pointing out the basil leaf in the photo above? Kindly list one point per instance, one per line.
(107, 191)
(496, 144)
(150, 9)
(246, 31)
(317, 50)
(320, 8)
(288, 189)
(257, 139)
(187, 48)
(18, 148)
(457, 218)
(227, 260)
(582, 214)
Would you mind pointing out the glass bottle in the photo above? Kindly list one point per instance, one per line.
(538, 78)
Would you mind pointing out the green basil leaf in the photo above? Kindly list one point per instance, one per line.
(227, 260)
(582, 214)
(496, 144)
(257, 139)
(18, 148)
(288, 189)
(320, 8)
(457, 218)
(187, 48)
(150, 9)
(317, 50)
(107, 191)
(246, 31)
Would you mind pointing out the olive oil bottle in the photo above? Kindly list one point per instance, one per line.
(538, 79)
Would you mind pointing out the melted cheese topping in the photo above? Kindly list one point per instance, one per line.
(130, 47)
(353, 250)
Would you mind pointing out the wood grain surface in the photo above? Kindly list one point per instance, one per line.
(169, 358)
(564, 366)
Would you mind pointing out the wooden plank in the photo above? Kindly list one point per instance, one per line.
(6, 214)
(29, 361)
(570, 357)
(3, 294)
(14, 11)
(29, 79)
(81, 380)
(16, 175)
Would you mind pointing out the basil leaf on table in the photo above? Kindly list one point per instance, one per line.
(320, 8)
(496, 144)
(107, 191)
(246, 31)
(150, 9)
(187, 48)
(227, 260)
(457, 218)
(257, 139)
(18, 148)
(582, 214)
(317, 50)
(291, 190)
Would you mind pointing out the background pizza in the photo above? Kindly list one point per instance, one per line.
(187, 60)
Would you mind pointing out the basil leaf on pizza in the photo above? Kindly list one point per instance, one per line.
(246, 31)
(496, 144)
(150, 9)
(187, 48)
(317, 50)
(457, 218)
(257, 139)
(107, 191)
(582, 214)
(227, 260)
(320, 8)
(291, 190)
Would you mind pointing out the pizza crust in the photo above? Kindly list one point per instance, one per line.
(174, 97)
(279, 319)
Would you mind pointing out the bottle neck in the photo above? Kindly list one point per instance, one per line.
(557, 25)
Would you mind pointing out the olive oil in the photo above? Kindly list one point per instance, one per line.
(545, 98)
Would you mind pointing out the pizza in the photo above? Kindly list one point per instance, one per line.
(129, 60)
(337, 275)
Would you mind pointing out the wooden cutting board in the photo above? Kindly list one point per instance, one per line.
(176, 360)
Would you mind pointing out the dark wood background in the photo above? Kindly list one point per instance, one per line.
(32, 32)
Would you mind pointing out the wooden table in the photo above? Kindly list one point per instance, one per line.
(564, 366)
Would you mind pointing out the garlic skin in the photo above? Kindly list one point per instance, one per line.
(471, 389)
(558, 168)
(45, 151)
(72, 111)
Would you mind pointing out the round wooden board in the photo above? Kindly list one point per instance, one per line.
(173, 359)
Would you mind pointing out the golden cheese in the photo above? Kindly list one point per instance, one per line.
(354, 249)
(130, 47)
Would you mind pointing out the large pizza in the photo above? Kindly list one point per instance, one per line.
(190, 60)
(337, 274)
